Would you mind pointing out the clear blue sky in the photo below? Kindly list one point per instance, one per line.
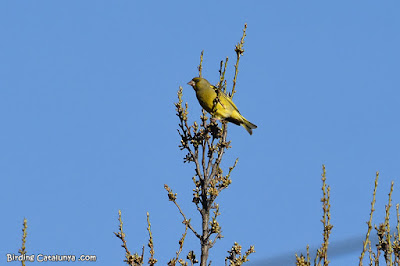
(88, 124)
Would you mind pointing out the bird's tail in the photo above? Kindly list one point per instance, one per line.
(248, 126)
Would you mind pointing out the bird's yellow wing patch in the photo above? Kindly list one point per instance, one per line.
(226, 97)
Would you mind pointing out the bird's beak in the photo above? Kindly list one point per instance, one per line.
(191, 83)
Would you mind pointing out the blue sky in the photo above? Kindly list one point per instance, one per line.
(89, 126)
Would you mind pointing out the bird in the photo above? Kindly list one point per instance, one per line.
(218, 104)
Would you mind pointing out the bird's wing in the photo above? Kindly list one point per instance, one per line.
(226, 97)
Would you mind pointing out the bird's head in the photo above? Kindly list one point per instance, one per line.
(194, 82)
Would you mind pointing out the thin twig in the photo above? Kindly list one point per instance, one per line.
(22, 251)
(121, 235)
(239, 51)
(181, 241)
(389, 250)
(201, 63)
(322, 253)
(185, 220)
(222, 81)
(398, 220)
(152, 260)
(369, 223)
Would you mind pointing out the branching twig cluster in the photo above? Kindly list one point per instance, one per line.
(205, 144)
(388, 246)
(135, 259)
(367, 241)
(388, 242)
(322, 253)
(303, 261)
(235, 257)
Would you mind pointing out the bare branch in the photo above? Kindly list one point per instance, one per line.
(239, 51)
(152, 260)
(185, 220)
(369, 223)
(201, 62)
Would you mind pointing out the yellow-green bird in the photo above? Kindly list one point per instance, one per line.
(223, 108)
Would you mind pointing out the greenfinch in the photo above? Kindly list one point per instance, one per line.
(218, 104)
